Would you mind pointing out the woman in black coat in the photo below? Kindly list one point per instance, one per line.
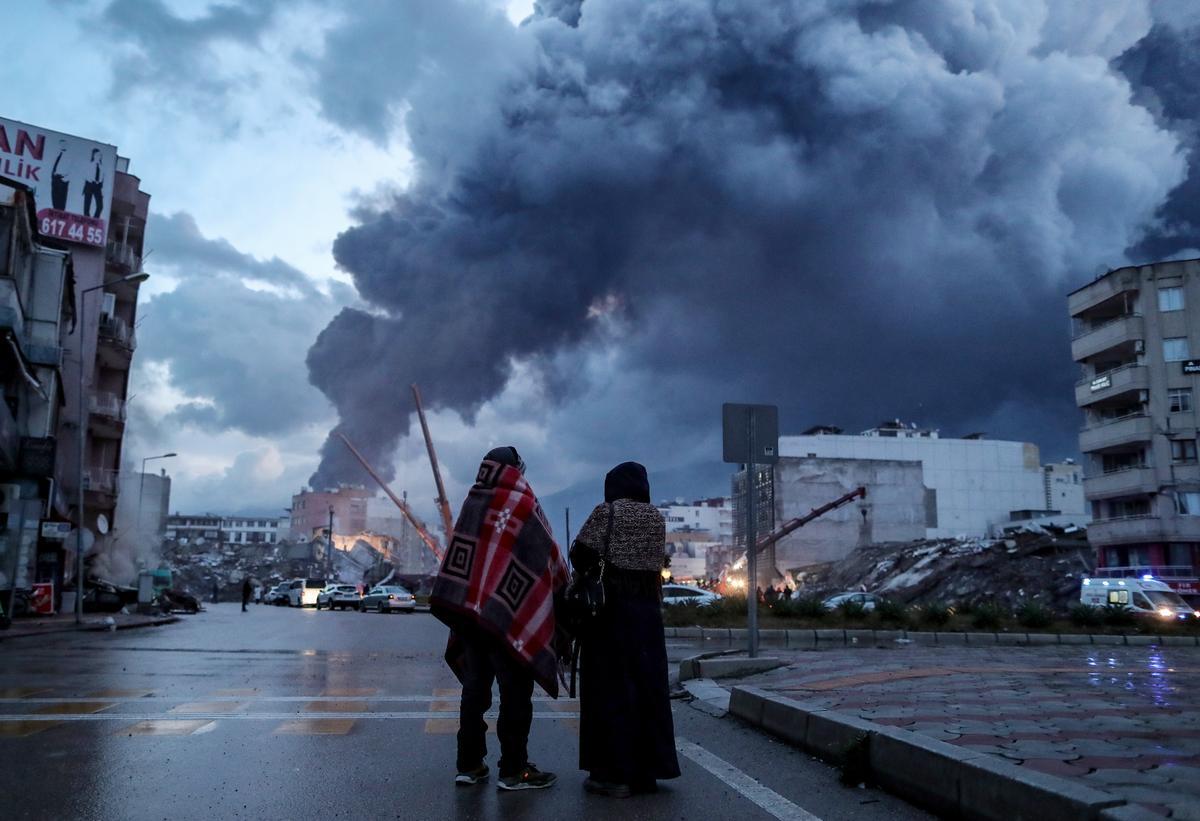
(626, 734)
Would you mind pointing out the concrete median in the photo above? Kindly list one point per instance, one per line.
(948, 780)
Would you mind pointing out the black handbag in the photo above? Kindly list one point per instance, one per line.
(583, 598)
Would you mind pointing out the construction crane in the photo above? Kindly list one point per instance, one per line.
(417, 524)
(792, 525)
(442, 502)
(788, 527)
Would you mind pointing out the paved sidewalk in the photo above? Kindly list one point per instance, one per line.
(1123, 719)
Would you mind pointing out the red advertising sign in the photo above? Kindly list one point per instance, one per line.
(72, 179)
(42, 599)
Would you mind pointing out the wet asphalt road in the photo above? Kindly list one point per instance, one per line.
(289, 714)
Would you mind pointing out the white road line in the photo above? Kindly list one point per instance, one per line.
(387, 716)
(254, 699)
(765, 798)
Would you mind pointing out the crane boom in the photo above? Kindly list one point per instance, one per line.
(442, 502)
(795, 524)
(422, 531)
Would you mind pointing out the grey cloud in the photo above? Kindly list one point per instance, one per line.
(157, 47)
(1164, 69)
(386, 57)
(177, 238)
(858, 210)
(238, 347)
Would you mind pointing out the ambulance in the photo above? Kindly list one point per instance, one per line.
(1145, 595)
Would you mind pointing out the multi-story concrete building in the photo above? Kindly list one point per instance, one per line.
(310, 511)
(243, 530)
(713, 516)
(973, 485)
(1137, 341)
(194, 529)
(36, 309)
(85, 200)
(231, 531)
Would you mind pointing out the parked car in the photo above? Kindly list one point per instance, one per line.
(278, 594)
(304, 592)
(687, 594)
(388, 598)
(339, 597)
(867, 600)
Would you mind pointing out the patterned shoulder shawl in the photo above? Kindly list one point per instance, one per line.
(501, 571)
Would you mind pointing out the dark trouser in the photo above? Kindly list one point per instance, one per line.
(93, 193)
(244, 603)
(486, 661)
(58, 192)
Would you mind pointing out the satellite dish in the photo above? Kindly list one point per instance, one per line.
(102, 524)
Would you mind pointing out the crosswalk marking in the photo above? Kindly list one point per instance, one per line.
(208, 707)
(315, 726)
(169, 727)
(121, 693)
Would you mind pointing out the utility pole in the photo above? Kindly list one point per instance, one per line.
(329, 549)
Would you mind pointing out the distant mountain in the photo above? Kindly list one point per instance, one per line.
(697, 481)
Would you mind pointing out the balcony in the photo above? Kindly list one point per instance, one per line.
(1127, 430)
(106, 413)
(122, 257)
(1099, 291)
(1144, 529)
(1131, 481)
(117, 343)
(1111, 384)
(1107, 335)
(102, 485)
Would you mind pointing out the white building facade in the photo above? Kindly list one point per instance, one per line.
(974, 485)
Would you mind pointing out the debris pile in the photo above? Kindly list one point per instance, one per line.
(1044, 565)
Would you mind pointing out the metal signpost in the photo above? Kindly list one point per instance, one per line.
(750, 436)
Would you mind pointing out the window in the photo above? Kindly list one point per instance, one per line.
(1188, 503)
(1179, 400)
(1118, 597)
(1170, 299)
(1175, 349)
(1183, 450)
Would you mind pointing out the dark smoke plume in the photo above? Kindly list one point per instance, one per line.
(855, 209)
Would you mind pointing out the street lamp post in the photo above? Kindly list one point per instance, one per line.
(83, 423)
(142, 486)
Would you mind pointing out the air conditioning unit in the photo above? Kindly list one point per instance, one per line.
(1139, 346)
(1143, 396)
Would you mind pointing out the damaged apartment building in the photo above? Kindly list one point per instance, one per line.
(70, 265)
(919, 485)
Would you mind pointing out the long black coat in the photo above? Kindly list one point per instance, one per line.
(626, 732)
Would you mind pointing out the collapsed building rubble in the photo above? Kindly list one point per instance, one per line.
(1044, 565)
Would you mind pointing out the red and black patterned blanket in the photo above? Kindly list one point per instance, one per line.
(501, 571)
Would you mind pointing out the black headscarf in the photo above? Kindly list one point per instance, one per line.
(506, 455)
(627, 480)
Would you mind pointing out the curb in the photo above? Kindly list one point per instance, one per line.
(89, 627)
(808, 637)
(948, 780)
(725, 665)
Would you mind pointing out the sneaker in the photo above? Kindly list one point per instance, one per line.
(608, 788)
(475, 776)
(529, 778)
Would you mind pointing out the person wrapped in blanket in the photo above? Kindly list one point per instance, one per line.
(495, 590)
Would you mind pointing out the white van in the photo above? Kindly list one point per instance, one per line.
(1145, 595)
(304, 592)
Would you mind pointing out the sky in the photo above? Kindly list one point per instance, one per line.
(581, 227)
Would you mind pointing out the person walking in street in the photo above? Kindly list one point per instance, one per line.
(247, 592)
(626, 733)
(495, 590)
